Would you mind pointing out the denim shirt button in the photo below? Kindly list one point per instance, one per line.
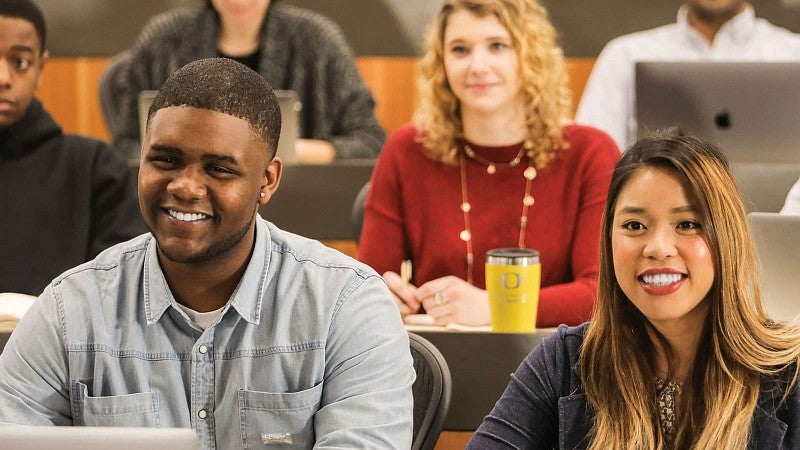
(203, 349)
(202, 414)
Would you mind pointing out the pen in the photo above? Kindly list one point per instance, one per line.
(406, 270)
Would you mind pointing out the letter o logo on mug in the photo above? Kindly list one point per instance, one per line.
(511, 280)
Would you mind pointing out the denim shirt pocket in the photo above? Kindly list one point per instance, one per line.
(129, 410)
(278, 419)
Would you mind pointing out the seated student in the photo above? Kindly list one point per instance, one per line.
(489, 162)
(64, 198)
(292, 48)
(679, 352)
(706, 30)
(216, 320)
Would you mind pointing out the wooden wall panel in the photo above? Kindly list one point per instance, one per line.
(393, 84)
(69, 90)
(453, 440)
(579, 70)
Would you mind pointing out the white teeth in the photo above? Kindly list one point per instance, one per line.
(662, 279)
(186, 217)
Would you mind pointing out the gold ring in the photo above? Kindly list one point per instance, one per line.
(439, 298)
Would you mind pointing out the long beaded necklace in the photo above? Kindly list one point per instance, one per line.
(527, 200)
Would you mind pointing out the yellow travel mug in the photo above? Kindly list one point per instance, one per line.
(513, 278)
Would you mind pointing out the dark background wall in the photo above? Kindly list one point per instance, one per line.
(377, 27)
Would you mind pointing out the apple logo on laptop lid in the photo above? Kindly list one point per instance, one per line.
(722, 120)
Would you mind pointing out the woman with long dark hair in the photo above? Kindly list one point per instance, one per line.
(680, 352)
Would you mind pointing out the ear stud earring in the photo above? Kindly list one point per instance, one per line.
(262, 195)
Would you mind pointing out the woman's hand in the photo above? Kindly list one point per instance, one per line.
(405, 294)
(452, 300)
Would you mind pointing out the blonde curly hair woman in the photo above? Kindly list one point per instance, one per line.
(680, 353)
(489, 161)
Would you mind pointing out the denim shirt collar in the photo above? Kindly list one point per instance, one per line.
(246, 298)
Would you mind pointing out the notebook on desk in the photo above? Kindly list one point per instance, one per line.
(750, 108)
(288, 102)
(97, 438)
(778, 247)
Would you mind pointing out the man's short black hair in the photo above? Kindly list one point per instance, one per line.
(26, 10)
(226, 86)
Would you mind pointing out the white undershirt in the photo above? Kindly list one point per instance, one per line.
(203, 320)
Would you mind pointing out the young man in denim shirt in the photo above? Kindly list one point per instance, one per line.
(216, 320)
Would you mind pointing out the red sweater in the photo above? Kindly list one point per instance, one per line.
(413, 212)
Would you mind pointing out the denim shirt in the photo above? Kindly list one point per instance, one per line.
(310, 350)
(544, 405)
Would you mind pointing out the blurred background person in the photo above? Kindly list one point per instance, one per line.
(65, 198)
(679, 353)
(489, 161)
(293, 48)
(719, 30)
(792, 204)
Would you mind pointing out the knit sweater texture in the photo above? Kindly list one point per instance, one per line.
(413, 212)
(64, 199)
(300, 50)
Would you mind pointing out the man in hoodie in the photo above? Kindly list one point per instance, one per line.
(64, 198)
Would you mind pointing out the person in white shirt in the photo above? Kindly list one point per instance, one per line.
(708, 30)
(792, 204)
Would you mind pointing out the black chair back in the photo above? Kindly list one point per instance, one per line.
(358, 211)
(432, 389)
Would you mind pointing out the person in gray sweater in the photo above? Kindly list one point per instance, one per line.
(292, 48)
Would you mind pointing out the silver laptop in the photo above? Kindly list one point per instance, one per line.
(290, 113)
(145, 100)
(290, 128)
(777, 239)
(97, 438)
(764, 186)
(752, 109)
